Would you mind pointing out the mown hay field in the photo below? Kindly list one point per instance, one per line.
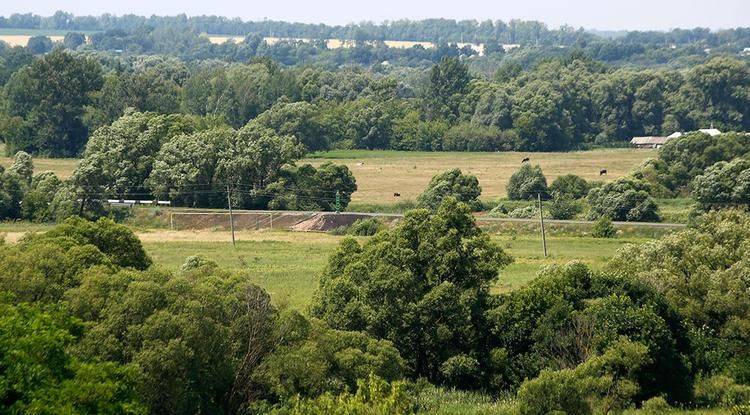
(380, 174)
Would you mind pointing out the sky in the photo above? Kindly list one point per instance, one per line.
(590, 14)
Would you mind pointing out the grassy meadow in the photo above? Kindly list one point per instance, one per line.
(288, 264)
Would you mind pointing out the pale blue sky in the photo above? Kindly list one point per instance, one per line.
(592, 14)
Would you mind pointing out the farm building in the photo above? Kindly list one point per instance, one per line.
(656, 142)
(713, 132)
(648, 142)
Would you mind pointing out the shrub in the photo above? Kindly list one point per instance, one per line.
(499, 211)
(451, 183)
(656, 405)
(366, 227)
(373, 397)
(720, 391)
(461, 371)
(603, 228)
(561, 390)
(563, 207)
(116, 241)
(571, 185)
(625, 199)
(525, 212)
(526, 183)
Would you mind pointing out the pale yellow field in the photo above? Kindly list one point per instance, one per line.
(23, 40)
(63, 168)
(379, 174)
(344, 43)
(383, 173)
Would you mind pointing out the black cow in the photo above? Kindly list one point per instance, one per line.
(526, 160)
(397, 195)
(602, 172)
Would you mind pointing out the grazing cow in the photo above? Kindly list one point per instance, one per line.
(360, 164)
(397, 195)
(602, 172)
(525, 160)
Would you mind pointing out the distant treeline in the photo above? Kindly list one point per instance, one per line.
(433, 30)
(51, 104)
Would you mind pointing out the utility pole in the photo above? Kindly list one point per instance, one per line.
(338, 202)
(231, 216)
(541, 221)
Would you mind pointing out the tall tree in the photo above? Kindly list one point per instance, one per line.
(49, 96)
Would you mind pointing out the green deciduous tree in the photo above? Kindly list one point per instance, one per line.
(526, 183)
(49, 96)
(40, 375)
(451, 183)
(724, 184)
(625, 199)
(423, 286)
(310, 188)
(571, 185)
(702, 272)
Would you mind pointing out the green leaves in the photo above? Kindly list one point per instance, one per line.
(451, 183)
(423, 285)
(49, 95)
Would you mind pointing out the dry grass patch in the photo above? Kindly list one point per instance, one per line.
(379, 174)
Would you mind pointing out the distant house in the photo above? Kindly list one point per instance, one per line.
(648, 142)
(713, 132)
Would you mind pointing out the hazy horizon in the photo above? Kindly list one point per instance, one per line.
(589, 14)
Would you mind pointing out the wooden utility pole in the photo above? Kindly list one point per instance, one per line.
(541, 221)
(231, 216)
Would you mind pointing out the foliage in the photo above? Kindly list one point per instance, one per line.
(119, 157)
(682, 159)
(422, 285)
(373, 397)
(115, 241)
(309, 188)
(562, 206)
(702, 273)
(526, 183)
(197, 336)
(451, 183)
(366, 227)
(625, 199)
(723, 184)
(524, 212)
(656, 405)
(11, 195)
(40, 375)
(569, 184)
(36, 205)
(311, 359)
(569, 314)
(720, 391)
(603, 228)
(449, 80)
(23, 167)
(48, 97)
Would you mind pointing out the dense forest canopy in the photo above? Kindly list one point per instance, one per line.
(559, 104)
